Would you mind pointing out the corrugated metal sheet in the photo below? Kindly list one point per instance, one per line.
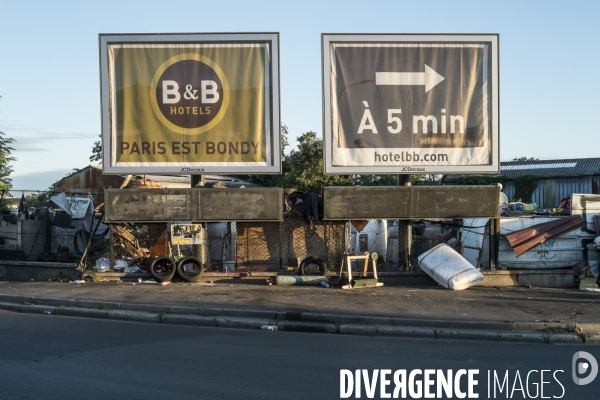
(550, 192)
(527, 238)
(568, 168)
(91, 180)
(88, 180)
(566, 250)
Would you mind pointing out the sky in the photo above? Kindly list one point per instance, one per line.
(49, 67)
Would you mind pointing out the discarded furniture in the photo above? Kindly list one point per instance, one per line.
(449, 268)
(362, 280)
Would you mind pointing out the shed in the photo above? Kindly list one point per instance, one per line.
(91, 180)
(557, 179)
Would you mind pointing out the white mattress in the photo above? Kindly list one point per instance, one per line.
(449, 268)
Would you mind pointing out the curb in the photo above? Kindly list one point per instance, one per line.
(309, 322)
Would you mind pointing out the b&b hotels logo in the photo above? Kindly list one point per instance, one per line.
(189, 93)
(463, 383)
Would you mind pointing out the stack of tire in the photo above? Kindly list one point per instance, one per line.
(189, 269)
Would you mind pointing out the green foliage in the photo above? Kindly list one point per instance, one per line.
(5, 160)
(35, 200)
(302, 168)
(426, 179)
(525, 185)
(375, 180)
(271, 180)
(305, 166)
(96, 152)
(481, 179)
(525, 159)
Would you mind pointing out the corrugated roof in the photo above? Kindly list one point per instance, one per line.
(567, 168)
(167, 181)
(182, 181)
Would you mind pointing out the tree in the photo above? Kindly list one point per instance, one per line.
(5, 160)
(375, 180)
(305, 166)
(525, 159)
(426, 179)
(96, 152)
(270, 180)
(525, 185)
(35, 200)
(481, 179)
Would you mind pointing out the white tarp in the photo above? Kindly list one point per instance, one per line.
(76, 207)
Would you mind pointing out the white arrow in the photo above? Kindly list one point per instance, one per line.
(429, 78)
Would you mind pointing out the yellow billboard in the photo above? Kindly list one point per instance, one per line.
(190, 103)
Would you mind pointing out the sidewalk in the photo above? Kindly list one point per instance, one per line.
(510, 313)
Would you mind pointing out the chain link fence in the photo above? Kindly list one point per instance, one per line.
(283, 246)
(36, 230)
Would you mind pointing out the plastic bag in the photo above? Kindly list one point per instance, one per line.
(132, 270)
(102, 264)
(594, 269)
(121, 265)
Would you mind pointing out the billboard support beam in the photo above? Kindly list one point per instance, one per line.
(197, 181)
(405, 229)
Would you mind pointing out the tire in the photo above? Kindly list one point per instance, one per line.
(190, 269)
(80, 241)
(163, 269)
(312, 266)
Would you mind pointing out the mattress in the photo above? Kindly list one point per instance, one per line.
(449, 268)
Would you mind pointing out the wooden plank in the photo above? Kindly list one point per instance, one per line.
(587, 205)
(585, 202)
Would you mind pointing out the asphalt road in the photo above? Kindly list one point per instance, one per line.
(53, 357)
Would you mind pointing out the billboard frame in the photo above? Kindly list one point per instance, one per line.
(328, 38)
(272, 112)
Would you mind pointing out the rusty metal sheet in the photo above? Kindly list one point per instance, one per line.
(193, 205)
(525, 239)
(411, 202)
(522, 235)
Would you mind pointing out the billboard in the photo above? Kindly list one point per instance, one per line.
(410, 104)
(190, 103)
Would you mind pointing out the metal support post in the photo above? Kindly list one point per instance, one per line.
(404, 231)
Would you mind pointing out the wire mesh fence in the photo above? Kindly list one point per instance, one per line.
(34, 229)
(37, 231)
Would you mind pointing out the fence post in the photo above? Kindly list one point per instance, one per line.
(404, 231)
(497, 242)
